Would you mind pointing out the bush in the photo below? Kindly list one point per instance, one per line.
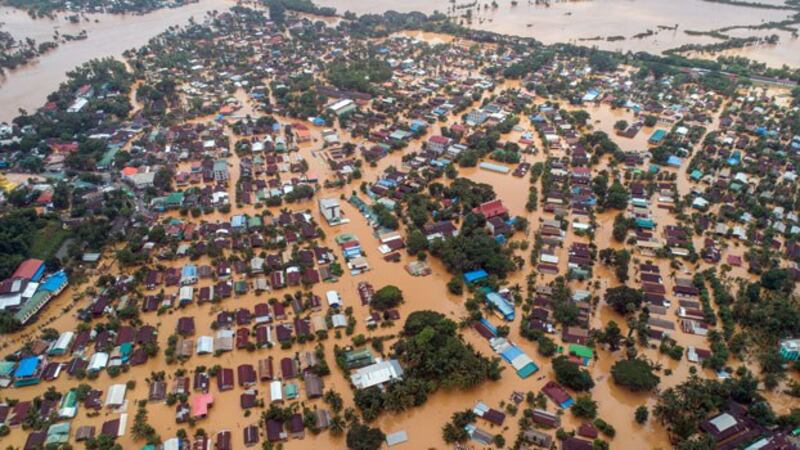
(571, 375)
(634, 374)
(584, 407)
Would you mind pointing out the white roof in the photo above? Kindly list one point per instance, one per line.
(333, 298)
(116, 395)
(205, 344)
(376, 374)
(276, 391)
(98, 361)
(723, 421)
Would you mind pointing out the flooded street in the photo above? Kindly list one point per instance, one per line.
(28, 86)
(108, 35)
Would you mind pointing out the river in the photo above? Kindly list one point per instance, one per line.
(579, 21)
(108, 35)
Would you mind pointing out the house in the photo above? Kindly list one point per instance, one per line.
(438, 144)
(247, 375)
(296, 426)
(490, 209)
(225, 379)
(29, 270)
(200, 405)
(377, 374)
(314, 385)
(224, 441)
(275, 431)
(276, 391)
(251, 435)
(502, 307)
(546, 418)
(790, 349)
(342, 107)
(331, 211)
(557, 394)
(116, 396)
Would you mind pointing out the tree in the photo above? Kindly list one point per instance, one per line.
(635, 374)
(370, 401)
(571, 375)
(602, 62)
(641, 414)
(584, 407)
(456, 285)
(416, 242)
(277, 12)
(454, 430)
(625, 300)
(611, 336)
(387, 297)
(163, 179)
(617, 197)
(362, 437)
(9, 323)
(385, 217)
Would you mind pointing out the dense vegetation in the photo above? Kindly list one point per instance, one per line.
(433, 357)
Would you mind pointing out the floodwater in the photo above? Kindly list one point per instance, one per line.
(582, 22)
(424, 423)
(108, 35)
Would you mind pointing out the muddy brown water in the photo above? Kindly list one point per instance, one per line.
(423, 424)
(580, 22)
(28, 86)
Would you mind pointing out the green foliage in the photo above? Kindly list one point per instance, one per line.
(624, 299)
(473, 249)
(359, 75)
(641, 415)
(571, 375)
(363, 437)
(635, 374)
(454, 431)
(584, 407)
(385, 217)
(387, 297)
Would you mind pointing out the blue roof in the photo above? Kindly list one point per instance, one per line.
(489, 326)
(54, 282)
(27, 367)
(674, 161)
(511, 353)
(501, 304)
(475, 275)
(189, 270)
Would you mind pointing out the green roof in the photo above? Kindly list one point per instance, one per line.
(69, 400)
(581, 350)
(6, 368)
(35, 302)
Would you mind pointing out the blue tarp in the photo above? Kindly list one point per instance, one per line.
(475, 275)
(27, 367)
(54, 282)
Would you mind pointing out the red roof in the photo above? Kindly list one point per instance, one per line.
(491, 209)
(27, 270)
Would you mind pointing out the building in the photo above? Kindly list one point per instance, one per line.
(342, 107)
(790, 349)
(30, 270)
(501, 306)
(331, 211)
(377, 374)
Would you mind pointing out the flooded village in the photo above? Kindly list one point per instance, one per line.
(275, 227)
